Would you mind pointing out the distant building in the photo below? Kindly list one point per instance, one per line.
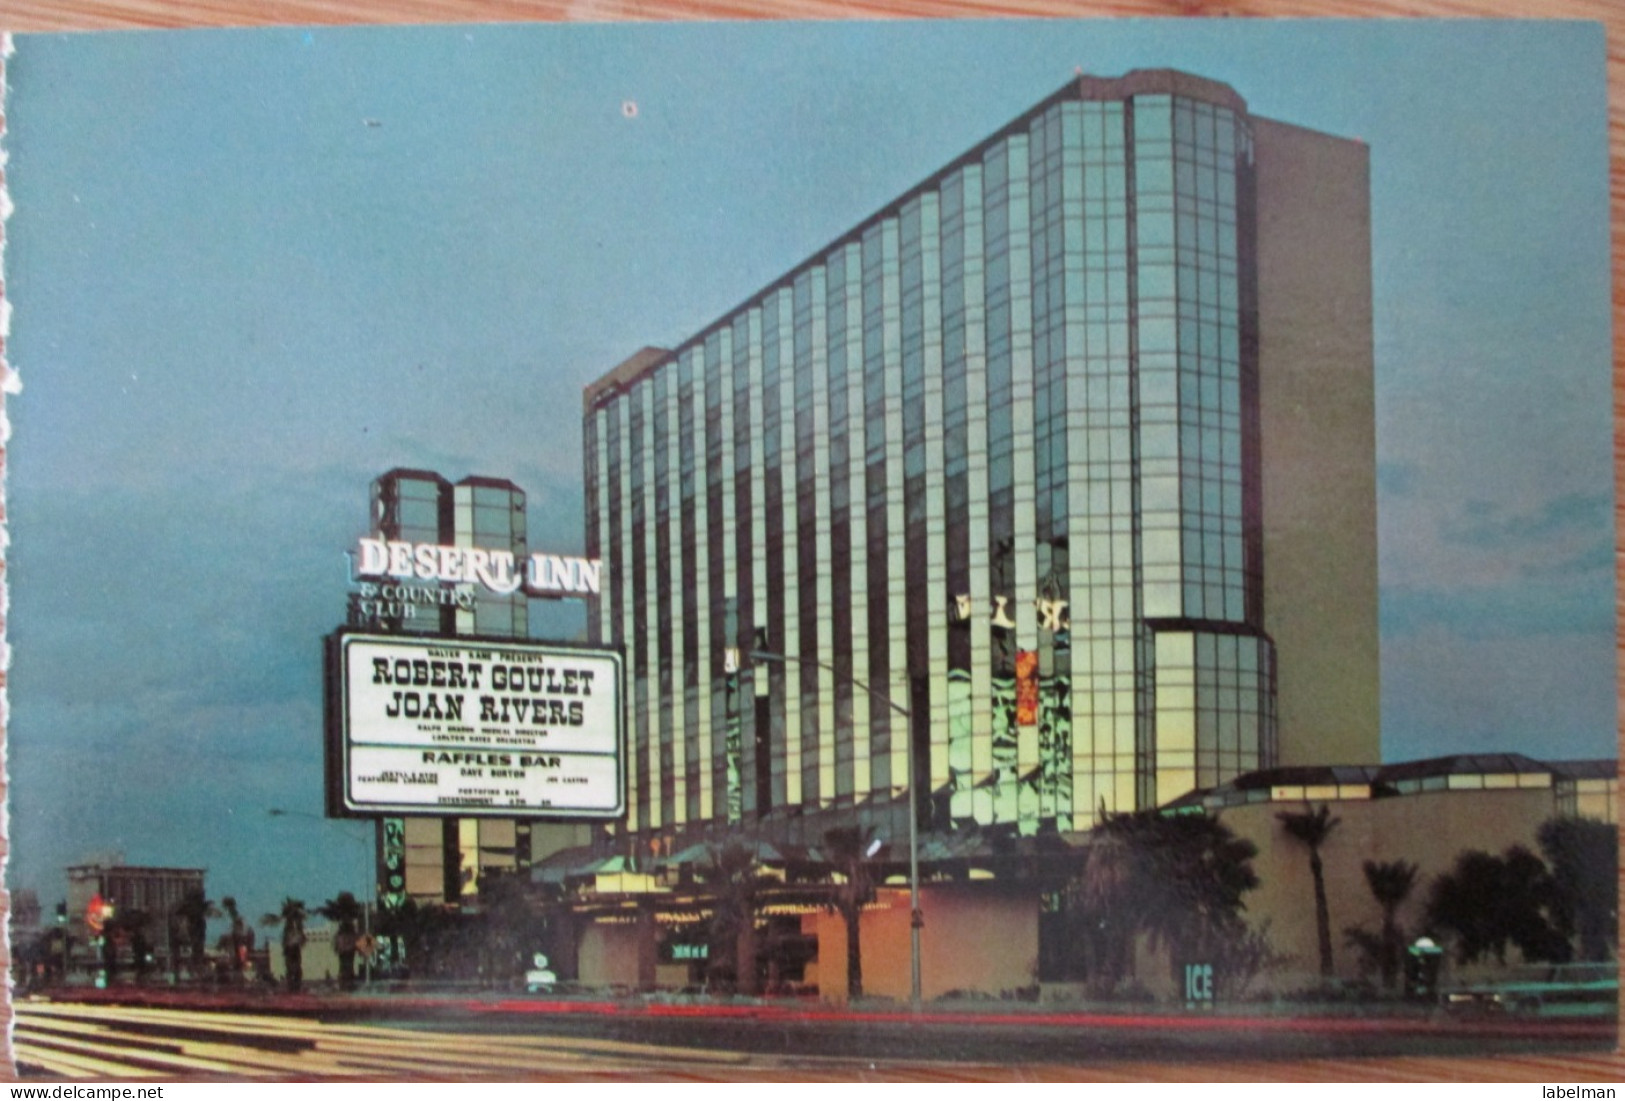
(131, 890)
(318, 960)
(128, 887)
(420, 506)
(25, 914)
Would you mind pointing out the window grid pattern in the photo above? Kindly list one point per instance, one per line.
(1019, 395)
(920, 317)
(812, 556)
(1214, 693)
(878, 274)
(1100, 466)
(777, 621)
(642, 630)
(693, 605)
(601, 501)
(492, 517)
(844, 321)
(849, 261)
(997, 218)
(672, 636)
(753, 604)
(787, 754)
(720, 794)
(411, 507)
(1057, 286)
(958, 721)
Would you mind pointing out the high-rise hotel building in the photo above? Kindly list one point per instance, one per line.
(1068, 453)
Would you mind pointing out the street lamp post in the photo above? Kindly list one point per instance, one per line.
(366, 904)
(916, 920)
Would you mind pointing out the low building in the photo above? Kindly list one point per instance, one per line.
(1424, 812)
(130, 890)
(318, 961)
(641, 921)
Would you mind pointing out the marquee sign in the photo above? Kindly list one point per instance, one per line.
(456, 726)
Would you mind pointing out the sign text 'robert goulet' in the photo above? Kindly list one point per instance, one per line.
(466, 727)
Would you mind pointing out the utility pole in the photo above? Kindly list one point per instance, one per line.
(916, 918)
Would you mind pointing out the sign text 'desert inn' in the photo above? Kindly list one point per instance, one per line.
(456, 726)
(497, 570)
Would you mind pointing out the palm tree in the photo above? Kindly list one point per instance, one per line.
(1391, 885)
(1583, 855)
(733, 877)
(847, 848)
(192, 914)
(1103, 897)
(292, 919)
(1484, 903)
(235, 938)
(510, 923)
(134, 922)
(1312, 828)
(1177, 878)
(346, 912)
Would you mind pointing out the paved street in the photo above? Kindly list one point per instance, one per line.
(126, 1041)
(434, 1037)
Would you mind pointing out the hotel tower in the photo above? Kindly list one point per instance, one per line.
(1052, 481)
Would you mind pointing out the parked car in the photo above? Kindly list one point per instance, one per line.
(1544, 990)
(540, 979)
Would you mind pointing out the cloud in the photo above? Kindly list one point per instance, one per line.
(1430, 540)
(1396, 479)
(167, 656)
(1484, 570)
(1546, 695)
(216, 590)
(1560, 606)
(1492, 524)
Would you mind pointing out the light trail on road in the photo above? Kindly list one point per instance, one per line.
(512, 1041)
(101, 1040)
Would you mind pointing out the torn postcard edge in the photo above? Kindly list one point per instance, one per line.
(9, 384)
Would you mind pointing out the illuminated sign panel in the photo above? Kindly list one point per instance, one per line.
(461, 726)
(497, 570)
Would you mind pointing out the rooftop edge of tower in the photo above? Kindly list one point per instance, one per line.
(1083, 88)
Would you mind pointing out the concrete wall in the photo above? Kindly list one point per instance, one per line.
(608, 955)
(1429, 829)
(318, 962)
(1318, 432)
(978, 937)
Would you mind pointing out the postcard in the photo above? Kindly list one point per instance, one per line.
(555, 551)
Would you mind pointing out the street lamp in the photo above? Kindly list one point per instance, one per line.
(366, 904)
(916, 920)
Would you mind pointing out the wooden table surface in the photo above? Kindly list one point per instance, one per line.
(57, 15)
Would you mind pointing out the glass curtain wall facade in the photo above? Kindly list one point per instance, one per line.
(992, 454)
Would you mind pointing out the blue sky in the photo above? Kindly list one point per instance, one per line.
(251, 270)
